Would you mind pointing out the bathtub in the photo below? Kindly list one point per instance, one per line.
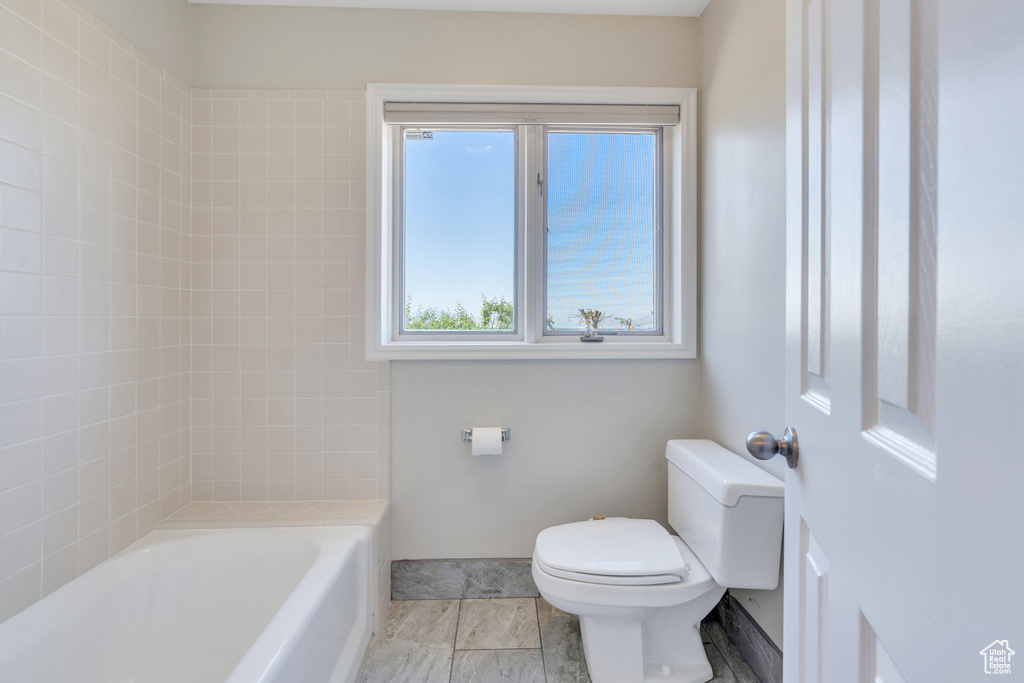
(278, 605)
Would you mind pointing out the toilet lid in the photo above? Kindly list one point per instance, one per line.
(608, 580)
(611, 547)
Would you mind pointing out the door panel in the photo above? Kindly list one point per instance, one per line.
(883, 668)
(813, 646)
(905, 338)
(900, 101)
(815, 327)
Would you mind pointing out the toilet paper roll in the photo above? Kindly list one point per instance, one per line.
(486, 440)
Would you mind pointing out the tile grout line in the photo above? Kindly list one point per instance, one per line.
(496, 649)
(540, 639)
(730, 656)
(455, 641)
(725, 660)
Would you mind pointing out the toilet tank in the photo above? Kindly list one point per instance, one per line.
(728, 511)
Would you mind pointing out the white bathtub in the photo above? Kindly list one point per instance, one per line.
(225, 605)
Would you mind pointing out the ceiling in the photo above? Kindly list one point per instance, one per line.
(658, 8)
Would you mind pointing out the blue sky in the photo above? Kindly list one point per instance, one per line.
(600, 209)
(460, 214)
(460, 218)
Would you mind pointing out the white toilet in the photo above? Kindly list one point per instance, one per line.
(641, 593)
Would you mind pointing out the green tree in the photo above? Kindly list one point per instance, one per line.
(496, 313)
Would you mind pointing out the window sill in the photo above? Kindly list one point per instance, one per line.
(523, 350)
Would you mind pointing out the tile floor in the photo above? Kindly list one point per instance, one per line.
(520, 640)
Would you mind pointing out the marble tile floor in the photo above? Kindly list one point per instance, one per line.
(503, 640)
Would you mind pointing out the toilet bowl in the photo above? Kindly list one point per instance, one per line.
(640, 592)
(644, 629)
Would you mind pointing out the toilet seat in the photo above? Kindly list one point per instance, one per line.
(579, 591)
(610, 580)
(617, 551)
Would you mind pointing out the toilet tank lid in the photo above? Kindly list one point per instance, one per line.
(720, 472)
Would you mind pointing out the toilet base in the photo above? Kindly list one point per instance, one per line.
(667, 647)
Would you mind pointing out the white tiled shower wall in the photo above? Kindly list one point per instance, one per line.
(106, 333)
(95, 145)
(284, 404)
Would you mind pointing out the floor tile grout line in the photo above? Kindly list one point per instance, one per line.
(724, 657)
(540, 639)
(455, 640)
(496, 649)
(730, 654)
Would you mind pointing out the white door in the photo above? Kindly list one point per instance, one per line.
(905, 341)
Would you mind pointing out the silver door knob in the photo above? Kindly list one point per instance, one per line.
(764, 446)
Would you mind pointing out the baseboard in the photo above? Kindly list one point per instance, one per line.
(461, 579)
(762, 655)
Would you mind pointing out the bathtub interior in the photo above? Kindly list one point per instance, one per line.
(197, 606)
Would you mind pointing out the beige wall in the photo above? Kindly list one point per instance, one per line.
(587, 436)
(160, 27)
(285, 404)
(743, 237)
(277, 47)
(95, 141)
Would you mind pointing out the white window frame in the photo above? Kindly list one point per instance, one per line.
(679, 233)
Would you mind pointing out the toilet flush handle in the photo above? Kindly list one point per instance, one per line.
(763, 446)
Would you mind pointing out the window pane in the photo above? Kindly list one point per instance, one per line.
(602, 242)
(460, 238)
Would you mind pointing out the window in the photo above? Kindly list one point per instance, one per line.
(456, 223)
(602, 232)
(513, 222)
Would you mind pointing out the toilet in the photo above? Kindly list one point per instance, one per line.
(640, 592)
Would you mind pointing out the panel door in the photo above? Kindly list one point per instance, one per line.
(905, 340)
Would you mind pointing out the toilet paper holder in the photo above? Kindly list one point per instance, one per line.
(506, 434)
